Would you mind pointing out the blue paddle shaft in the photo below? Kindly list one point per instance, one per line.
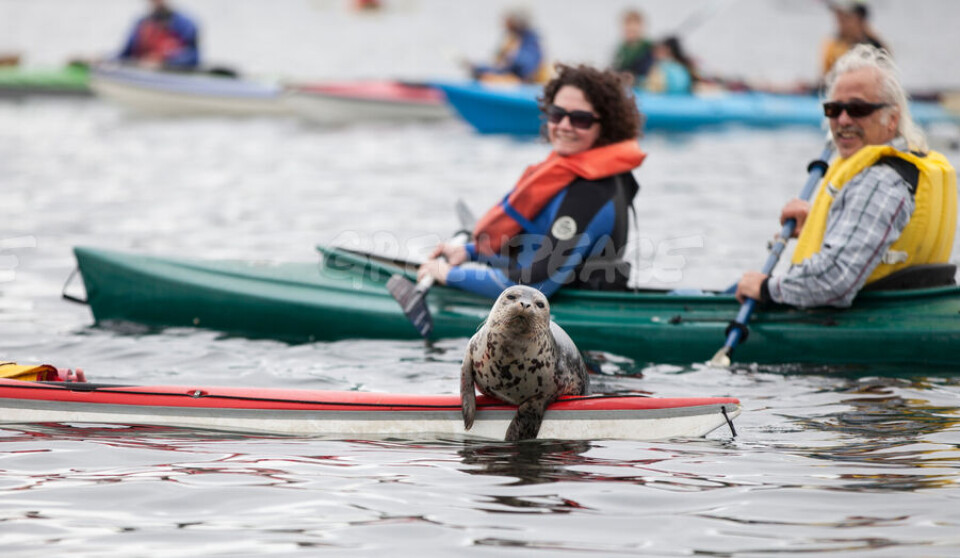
(817, 171)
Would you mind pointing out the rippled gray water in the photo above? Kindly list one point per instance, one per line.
(829, 461)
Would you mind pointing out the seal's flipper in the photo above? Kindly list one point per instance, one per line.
(468, 393)
(526, 425)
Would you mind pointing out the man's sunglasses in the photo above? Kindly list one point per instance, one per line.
(856, 109)
(578, 118)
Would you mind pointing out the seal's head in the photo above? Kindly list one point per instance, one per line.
(521, 311)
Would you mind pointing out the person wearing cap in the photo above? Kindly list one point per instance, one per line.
(886, 206)
(853, 28)
(163, 38)
(519, 57)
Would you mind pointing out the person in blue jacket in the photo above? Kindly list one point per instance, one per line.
(163, 38)
(565, 222)
(520, 56)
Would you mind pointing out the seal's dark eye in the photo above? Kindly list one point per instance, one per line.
(540, 304)
(511, 297)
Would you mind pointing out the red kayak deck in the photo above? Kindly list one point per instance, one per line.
(377, 90)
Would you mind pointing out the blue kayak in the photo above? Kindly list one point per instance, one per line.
(513, 109)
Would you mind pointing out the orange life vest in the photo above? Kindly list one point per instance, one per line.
(540, 183)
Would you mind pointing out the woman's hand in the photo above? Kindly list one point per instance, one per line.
(795, 209)
(438, 269)
(455, 254)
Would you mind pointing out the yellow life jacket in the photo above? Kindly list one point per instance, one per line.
(928, 236)
(27, 372)
(832, 49)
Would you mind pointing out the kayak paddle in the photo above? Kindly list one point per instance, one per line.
(412, 297)
(737, 330)
(699, 17)
(465, 216)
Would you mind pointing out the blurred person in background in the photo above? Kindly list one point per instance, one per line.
(519, 58)
(564, 224)
(367, 5)
(163, 38)
(8, 59)
(672, 71)
(634, 55)
(853, 28)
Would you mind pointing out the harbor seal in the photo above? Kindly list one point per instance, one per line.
(520, 356)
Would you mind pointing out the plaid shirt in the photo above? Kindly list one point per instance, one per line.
(864, 221)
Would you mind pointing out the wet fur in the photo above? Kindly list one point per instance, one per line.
(521, 357)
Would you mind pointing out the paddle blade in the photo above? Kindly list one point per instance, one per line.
(721, 359)
(465, 216)
(412, 302)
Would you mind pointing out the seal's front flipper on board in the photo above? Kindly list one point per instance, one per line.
(468, 393)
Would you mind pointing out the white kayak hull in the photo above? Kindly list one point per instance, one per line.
(186, 94)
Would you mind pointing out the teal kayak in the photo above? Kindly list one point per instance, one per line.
(345, 296)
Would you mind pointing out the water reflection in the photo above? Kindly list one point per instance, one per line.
(876, 410)
(854, 371)
(846, 522)
(532, 462)
(164, 438)
(543, 462)
(894, 483)
(891, 424)
(529, 463)
(195, 457)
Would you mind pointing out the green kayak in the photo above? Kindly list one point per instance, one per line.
(69, 81)
(345, 296)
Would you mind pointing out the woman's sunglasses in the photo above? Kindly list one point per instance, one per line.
(578, 118)
(856, 109)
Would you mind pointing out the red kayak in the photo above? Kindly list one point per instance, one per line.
(366, 101)
(352, 414)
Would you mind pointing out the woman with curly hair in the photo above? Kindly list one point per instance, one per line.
(564, 224)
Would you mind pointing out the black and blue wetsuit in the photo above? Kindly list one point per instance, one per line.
(576, 241)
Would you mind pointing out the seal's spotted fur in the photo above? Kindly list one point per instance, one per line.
(523, 358)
